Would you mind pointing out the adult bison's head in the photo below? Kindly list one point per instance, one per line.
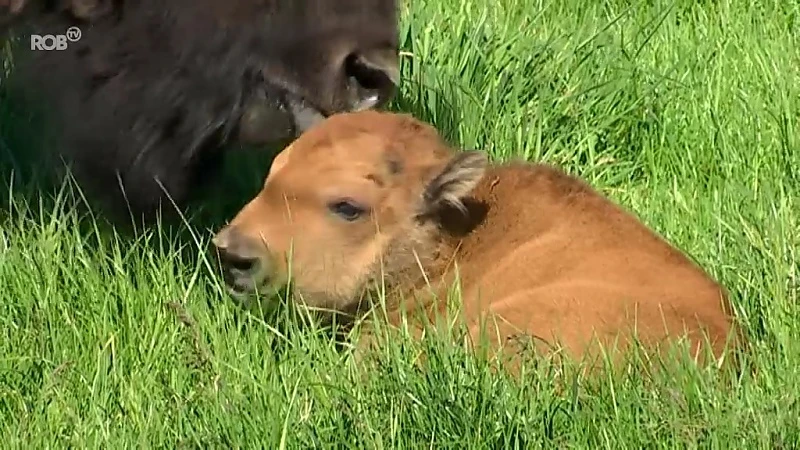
(152, 91)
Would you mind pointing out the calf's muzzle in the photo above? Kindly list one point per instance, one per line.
(241, 258)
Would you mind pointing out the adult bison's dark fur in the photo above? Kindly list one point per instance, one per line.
(154, 89)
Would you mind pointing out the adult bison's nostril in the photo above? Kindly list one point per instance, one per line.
(374, 75)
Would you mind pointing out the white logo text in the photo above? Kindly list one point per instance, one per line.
(55, 41)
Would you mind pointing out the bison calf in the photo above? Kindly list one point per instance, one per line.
(369, 195)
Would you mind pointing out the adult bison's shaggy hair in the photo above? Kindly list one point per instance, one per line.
(148, 97)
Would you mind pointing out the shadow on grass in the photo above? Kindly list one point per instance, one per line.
(33, 174)
(36, 187)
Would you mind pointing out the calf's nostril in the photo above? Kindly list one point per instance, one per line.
(243, 264)
(233, 260)
(235, 251)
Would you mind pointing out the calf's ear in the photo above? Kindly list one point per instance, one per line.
(454, 182)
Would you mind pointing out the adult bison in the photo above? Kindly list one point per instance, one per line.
(148, 97)
(371, 195)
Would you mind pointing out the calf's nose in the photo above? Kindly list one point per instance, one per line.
(237, 252)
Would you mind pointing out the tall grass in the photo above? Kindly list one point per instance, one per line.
(686, 112)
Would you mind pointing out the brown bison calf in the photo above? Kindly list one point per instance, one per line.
(538, 252)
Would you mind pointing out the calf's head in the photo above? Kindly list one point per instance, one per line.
(357, 197)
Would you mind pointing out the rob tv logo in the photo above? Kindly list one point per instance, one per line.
(55, 41)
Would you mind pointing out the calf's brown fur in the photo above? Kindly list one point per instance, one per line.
(537, 252)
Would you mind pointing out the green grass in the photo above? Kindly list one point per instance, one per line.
(688, 113)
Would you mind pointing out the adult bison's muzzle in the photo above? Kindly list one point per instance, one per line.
(153, 92)
(277, 110)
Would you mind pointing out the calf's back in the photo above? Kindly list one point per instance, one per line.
(556, 261)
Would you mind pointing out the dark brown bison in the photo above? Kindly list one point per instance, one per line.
(152, 92)
(371, 197)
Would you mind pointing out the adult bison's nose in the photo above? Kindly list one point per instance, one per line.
(373, 77)
(297, 97)
(240, 258)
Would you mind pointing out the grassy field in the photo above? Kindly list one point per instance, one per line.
(686, 112)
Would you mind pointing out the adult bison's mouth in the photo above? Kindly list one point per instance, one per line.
(273, 115)
(277, 109)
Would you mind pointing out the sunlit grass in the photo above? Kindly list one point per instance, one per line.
(685, 112)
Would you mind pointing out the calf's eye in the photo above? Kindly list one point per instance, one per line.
(346, 209)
